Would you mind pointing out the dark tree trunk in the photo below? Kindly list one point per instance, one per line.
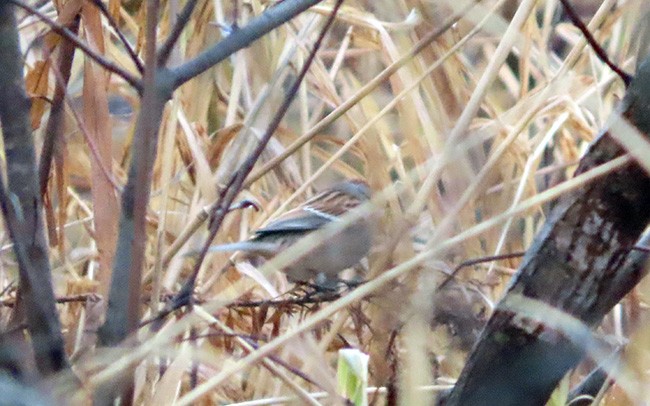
(581, 264)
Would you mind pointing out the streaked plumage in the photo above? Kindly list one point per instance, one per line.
(346, 249)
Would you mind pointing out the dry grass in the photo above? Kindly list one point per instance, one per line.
(465, 155)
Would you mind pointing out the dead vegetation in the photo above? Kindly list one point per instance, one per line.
(466, 118)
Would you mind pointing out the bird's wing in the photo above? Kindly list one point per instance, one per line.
(254, 247)
(313, 214)
(332, 202)
(299, 220)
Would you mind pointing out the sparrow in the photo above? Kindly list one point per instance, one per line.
(324, 262)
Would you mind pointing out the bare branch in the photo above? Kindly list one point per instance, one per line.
(600, 52)
(111, 21)
(476, 261)
(54, 126)
(181, 22)
(68, 35)
(122, 316)
(581, 264)
(21, 204)
(203, 215)
(241, 38)
(230, 192)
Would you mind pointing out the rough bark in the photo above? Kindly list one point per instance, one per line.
(21, 204)
(581, 263)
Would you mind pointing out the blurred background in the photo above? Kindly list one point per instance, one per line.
(440, 179)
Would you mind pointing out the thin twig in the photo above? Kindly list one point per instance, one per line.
(8, 288)
(602, 55)
(284, 364)
(181, 22)
(111, 21)
(481, 260)
(243, 37)
(82, 297)
(275, 303)
(239, 176)
(223, 334)
(68, 35)
(92, 145)
(246, 341)
(54, 127)
(476, 261)
(202, 215)
(231, 191)
(364, 91)
(300, 301)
